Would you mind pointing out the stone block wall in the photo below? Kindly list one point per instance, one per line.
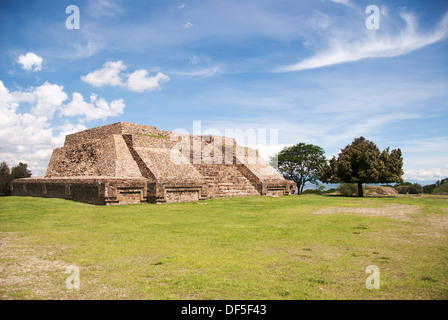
(89, 158)
(93, 190)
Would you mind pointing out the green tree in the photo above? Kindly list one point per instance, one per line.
(5, 179)
(20, 171)
(7, 175)
(300, 163)
(320, 188)
(428, 189)
(4, 169)
(415, 189)
(362, 162)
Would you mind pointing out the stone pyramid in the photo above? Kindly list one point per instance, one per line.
(125, 163)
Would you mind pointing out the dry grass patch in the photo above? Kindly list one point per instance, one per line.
(25, 269)
(396, 211)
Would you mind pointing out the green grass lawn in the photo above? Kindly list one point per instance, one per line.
(294, 247)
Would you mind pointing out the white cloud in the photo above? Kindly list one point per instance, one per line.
(30, 61)
(48, 99)
(375, 46)
(426, 174)
(98, 108)
(181, 6)
(110, 74)
(45, 99)
(140, 81)
(25, 136)
(188, 25)
(28, 136)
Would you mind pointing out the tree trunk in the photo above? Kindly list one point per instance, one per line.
(360, 192)
(299, 184)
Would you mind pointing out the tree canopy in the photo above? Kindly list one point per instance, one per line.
(362, 162)
(5, 178)
(7, 175)
(301, 163)
(20, 171)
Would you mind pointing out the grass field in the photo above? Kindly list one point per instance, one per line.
(294, 247)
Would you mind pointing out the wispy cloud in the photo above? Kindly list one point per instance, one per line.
(103, 8)
(344, 2)
(376, 46)
(206, 72)
(80, 51)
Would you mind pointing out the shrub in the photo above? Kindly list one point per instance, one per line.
(402, 189)
(348, 189)
(332, 190)
(415, 189)
(404, 184)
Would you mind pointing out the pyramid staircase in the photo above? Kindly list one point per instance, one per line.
(226, 181)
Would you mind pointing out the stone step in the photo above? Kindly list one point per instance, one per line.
(239, 188)
(226, 181)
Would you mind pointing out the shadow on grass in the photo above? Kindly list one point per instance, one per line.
(376, 196)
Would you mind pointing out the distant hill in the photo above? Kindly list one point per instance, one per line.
(442, 189)
(422, 182)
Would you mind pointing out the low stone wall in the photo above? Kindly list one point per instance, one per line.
(99, 191)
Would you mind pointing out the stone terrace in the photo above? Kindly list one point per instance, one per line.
(124, 163)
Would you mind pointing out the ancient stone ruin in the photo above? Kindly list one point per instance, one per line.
(124, 163)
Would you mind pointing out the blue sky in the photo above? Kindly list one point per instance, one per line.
(310, 69)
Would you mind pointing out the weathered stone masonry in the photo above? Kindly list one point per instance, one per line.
(124, 163)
